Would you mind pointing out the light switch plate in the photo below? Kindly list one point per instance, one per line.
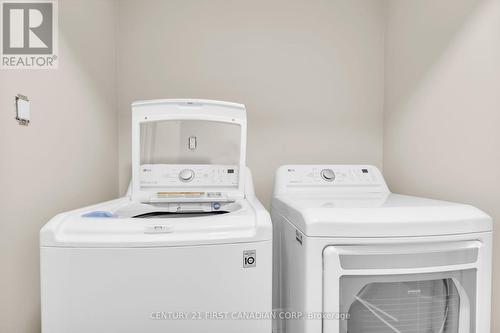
(22, 109)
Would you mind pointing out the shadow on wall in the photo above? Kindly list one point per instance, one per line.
(310, 73)
(441, 95)
(413, 53)
(66, 158)
(441, 115)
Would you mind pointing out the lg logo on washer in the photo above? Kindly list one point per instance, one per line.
(29, 34)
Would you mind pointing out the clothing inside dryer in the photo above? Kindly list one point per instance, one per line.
(430, 306)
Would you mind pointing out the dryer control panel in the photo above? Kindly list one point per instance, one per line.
(329, 177)
(332, 175)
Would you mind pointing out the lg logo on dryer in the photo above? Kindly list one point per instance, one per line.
(249, 258)
(29, 34)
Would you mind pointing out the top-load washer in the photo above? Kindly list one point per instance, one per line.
(188, 249)
(352, 257)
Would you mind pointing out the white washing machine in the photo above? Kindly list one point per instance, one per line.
(351, 257)
(189, 249)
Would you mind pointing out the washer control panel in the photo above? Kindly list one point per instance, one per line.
(328, 175)
(196, 175)
(186, 175)
(333, 175)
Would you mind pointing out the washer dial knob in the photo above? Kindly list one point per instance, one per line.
(186, 175)
(328, 175)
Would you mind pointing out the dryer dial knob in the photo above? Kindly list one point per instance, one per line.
(328, 175)
(186, 175)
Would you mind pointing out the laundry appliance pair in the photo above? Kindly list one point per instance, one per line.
(191, 249)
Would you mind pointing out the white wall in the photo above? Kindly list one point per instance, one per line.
(66, 158)
(442, 114)
(310, 73)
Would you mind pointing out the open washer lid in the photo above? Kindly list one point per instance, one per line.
(354, 201)
(188, 150)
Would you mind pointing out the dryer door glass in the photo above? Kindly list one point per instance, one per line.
(423, 303)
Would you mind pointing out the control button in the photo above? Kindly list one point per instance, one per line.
(328, 175)
(186, 175)
(216, 205)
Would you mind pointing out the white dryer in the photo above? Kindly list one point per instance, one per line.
(351, 257)
(188, 249)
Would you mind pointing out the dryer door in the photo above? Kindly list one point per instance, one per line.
(423, 303)
(420, 288)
